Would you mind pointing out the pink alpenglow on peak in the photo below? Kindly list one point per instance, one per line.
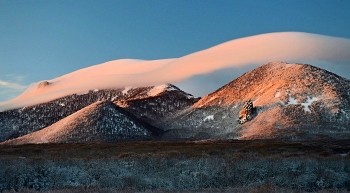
(293, 47)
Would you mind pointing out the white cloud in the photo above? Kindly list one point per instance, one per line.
(198, 69)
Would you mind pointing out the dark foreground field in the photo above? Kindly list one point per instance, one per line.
(208, 166)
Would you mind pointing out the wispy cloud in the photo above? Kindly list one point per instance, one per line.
(11, 86)
(15, 77)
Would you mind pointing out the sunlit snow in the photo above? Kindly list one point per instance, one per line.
(278, 93)
(159, 89)
(126, 89)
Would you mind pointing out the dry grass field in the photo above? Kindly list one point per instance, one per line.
(202, 166)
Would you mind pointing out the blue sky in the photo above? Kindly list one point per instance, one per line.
(46, 39)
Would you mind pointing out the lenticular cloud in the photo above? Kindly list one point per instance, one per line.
(256, 50)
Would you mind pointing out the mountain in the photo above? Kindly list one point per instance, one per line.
(102, 121)
(274, 101)
(290, 101)
(146, 102)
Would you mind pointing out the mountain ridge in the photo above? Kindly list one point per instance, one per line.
(278, 101)
(18, 122)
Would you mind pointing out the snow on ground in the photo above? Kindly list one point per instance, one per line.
(278, 94)
(190, 96)
(126, 89)
(292, 101)
(309, 101)
(209, 118)
(156, 90)
(256, 50)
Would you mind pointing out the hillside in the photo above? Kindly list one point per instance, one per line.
(146, 102)
(291, 101)
(102, 121)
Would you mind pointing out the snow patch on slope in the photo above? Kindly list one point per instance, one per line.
(278, 94)
(126, 89)
(292, 101)
(156, 90)
(209, 118)
(309, 101)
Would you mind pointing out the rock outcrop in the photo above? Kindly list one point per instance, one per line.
(246, 113)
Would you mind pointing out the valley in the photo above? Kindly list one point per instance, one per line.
(201, 166)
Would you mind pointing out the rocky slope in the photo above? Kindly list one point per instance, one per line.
(148, 103)
(102, 121)
(291, 101)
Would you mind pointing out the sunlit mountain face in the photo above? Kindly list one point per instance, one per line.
(290, 101)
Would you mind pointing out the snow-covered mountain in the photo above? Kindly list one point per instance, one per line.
(102, 121)
(151, 104)
(274, 101)
(291, 101)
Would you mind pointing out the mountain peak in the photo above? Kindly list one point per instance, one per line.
(264, 82)
(291, 101)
